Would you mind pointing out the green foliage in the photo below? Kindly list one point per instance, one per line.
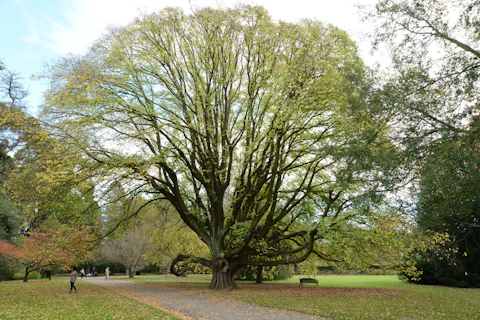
(9, 218)
(170, 237)
(435, 51)
(7, 268)
(9, 215)
(237, 120)
(268, 273)
(375, 236)
(34, 275)
(449, 203)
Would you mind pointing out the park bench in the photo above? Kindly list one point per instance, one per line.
(308, 280)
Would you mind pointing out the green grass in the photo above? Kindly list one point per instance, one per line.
(44, 299)
(50, 299)
(418, 302)
(410, 302)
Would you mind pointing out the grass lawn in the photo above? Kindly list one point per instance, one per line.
(336, 297)
(347, 297)
(44, 299)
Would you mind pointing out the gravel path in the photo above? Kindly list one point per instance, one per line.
(187, 305)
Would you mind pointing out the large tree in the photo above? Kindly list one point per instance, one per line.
(435, 46)
(240, 122)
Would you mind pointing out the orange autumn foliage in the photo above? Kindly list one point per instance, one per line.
(61, 246)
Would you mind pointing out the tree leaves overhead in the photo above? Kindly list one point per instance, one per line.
(435, 49)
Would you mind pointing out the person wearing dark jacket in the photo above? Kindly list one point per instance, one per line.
(73, 278)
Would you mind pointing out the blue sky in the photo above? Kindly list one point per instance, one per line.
(36, 32)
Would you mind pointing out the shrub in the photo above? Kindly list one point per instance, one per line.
(7, 269)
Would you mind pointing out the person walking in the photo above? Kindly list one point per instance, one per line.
(107, 272)
(73, 278)
(82, 273)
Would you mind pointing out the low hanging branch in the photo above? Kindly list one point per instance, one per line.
(180, 271)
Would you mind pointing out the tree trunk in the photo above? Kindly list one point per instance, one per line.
(131, 273)
(259, 274)
(223, 277)
(25, 277)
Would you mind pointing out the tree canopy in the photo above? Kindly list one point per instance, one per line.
(253, 130)
(435, 47)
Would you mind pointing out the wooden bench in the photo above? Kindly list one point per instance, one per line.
(308, 280)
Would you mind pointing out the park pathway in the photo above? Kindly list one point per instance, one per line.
(187, 305)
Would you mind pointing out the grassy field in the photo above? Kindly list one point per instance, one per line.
(43, 299)
(348, 297)
(337, 297)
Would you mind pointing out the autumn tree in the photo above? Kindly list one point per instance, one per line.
(236, 120)
(39, 185)
(43, 180)
(55, 246)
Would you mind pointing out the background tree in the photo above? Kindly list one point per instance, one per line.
(449, 202)
(9, 215)
(38, 177)
(11, 95)
(128, 250)
(376, 239)
(171, 238)
(435, 50)
(234, 119)
(436, 59)
(11, 107)
(57, 246)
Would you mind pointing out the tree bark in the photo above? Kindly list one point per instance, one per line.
(25, 277)
(259, 274)
(223, 276)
